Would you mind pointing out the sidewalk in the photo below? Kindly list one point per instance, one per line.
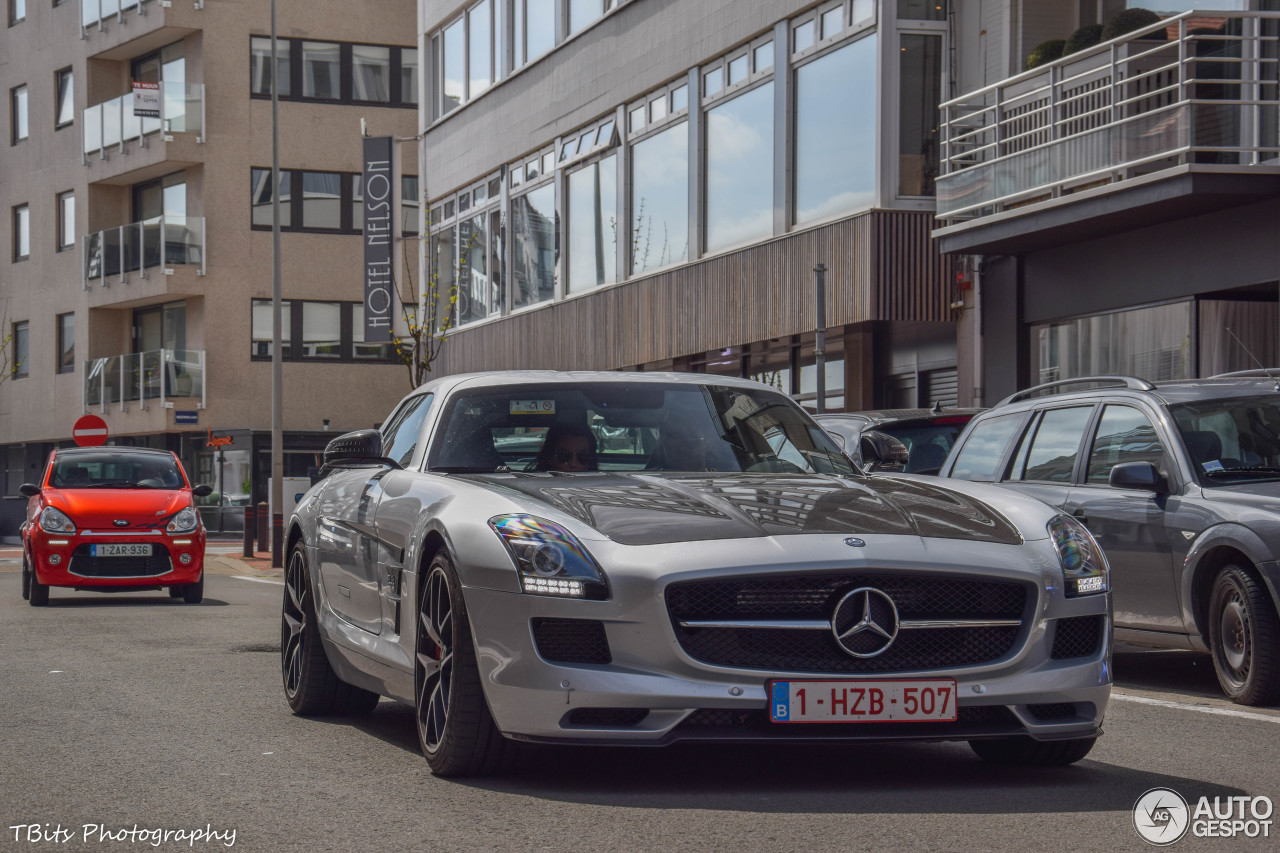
(225, 558)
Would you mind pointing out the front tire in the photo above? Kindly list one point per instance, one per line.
(26, 578)
(1026, 752)
(455, 729)
(193, 593)
(1243, 636)
(311, 686)
(37, 594)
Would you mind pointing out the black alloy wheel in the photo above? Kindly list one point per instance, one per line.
(1243, 636)
(311, 686)
(455, 729)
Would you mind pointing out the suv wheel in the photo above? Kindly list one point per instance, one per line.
(1243, 635)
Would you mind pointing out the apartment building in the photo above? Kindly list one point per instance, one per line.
(650, 185)
(136, 265)
(1120, 206)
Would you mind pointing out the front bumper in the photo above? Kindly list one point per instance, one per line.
(66, 561)
(651, 692)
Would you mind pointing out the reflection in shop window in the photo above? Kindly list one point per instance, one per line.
(836, 132)
(739, 177)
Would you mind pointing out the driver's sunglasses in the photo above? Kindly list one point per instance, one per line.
(585, 457)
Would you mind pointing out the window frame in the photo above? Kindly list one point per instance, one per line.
(15, 126)
(346, 74)
(58, 93)
(66, 225)
(21, 220)
(60, 340)
(20, 368)
(16, 15)
(293, 347)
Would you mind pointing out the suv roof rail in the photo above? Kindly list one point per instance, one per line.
(1131, 382)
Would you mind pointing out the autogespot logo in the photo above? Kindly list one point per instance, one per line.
(1161, 816)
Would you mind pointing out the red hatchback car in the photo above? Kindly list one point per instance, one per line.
(113, 519)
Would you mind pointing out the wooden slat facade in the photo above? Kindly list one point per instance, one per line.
(881, 265)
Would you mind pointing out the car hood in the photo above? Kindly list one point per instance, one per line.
(100, 508)
(651, 508)
(1253, 495)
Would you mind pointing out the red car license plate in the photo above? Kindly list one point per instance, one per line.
(120, 550)
(857, 701)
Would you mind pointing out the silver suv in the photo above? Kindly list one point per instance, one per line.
(1179, 482)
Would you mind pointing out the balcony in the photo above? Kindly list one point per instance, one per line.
(112, 125)
(1193, 97)
(158, 377)
(162, 242)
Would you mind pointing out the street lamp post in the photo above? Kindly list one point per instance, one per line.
(820, 337)
(277, 373)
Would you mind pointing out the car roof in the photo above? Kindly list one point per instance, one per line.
(1169, 392)
(884, 416)
(502, 378)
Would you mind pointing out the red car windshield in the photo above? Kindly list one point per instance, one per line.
(108, 470)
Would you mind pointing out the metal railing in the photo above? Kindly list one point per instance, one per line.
(1199, 88)
(163, 375)
(94, 14)
(163, 241)
(112, 124)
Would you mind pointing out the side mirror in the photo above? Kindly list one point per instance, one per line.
(202, 491)
(882, 451)
(352, 449)
(1137, 475)
(29, 489)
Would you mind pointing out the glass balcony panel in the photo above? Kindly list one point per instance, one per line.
(167, 241)
(93, 129)
(131, 247)
(111, 120)
(93, 381)
(111, 252)
(93, 255)
(185, 373)
(151, 365)
(130, 124)
(113, 381)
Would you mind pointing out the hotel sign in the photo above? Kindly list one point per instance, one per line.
(380, 204)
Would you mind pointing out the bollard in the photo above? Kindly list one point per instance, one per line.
(249, 523)
(277, 541)
(263, 532)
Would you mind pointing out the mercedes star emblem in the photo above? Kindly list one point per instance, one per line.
(865, 622)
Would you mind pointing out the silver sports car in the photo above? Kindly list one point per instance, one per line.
(643, 558)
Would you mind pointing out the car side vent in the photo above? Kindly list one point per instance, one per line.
(613, 718)
(571, 640)
(1055, 711)
(1076, 637)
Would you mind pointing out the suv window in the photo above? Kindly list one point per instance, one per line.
(1053, 452)
(1124, 435)
(979, 458)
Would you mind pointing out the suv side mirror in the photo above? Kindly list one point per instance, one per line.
(1137, 475)
(202, 491)
(881, 450)
(29, 489)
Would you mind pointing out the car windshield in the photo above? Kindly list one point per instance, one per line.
(623, 426)
(1231, 441)
(115, 470)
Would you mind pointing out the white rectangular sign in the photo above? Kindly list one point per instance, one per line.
(146, 100)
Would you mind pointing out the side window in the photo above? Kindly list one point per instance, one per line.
(1053, 452)
(1124, 435)
(400, 435)
(980, 456)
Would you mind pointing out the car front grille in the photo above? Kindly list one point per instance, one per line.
(813, 599)
(571, 640)
(120, 567)
(1076, 637)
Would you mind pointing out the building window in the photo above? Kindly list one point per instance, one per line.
(67, 343)
(66, 106)
(480, 55)
(583, 12)
(321, 70)
(835, 132)
(540, 28)
(21, 348)
(534, 256)
(409, 75)
(371, 73)
(660, 199)
(931, 10)
(18, 114)
(739, 179)
(593, 224)
(319, 331)
(454, 43)
(322, 200)
(260, 67)
(66, 221)
(262, 198)
(17, 11)
(1153, 342)
(920, 82)
(21, 232)
(408, 204)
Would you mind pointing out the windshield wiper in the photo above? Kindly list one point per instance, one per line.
(113, 484)
(1266, 470)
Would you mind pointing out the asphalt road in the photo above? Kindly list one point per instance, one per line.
(133, 710)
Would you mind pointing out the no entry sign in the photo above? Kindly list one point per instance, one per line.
(90, 431)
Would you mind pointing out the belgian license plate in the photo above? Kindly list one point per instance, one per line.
(858, 701)
(120, 550)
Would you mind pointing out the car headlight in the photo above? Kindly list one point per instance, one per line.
(1084, 567)
(53, 520)
(551, 561)
(184, 522)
